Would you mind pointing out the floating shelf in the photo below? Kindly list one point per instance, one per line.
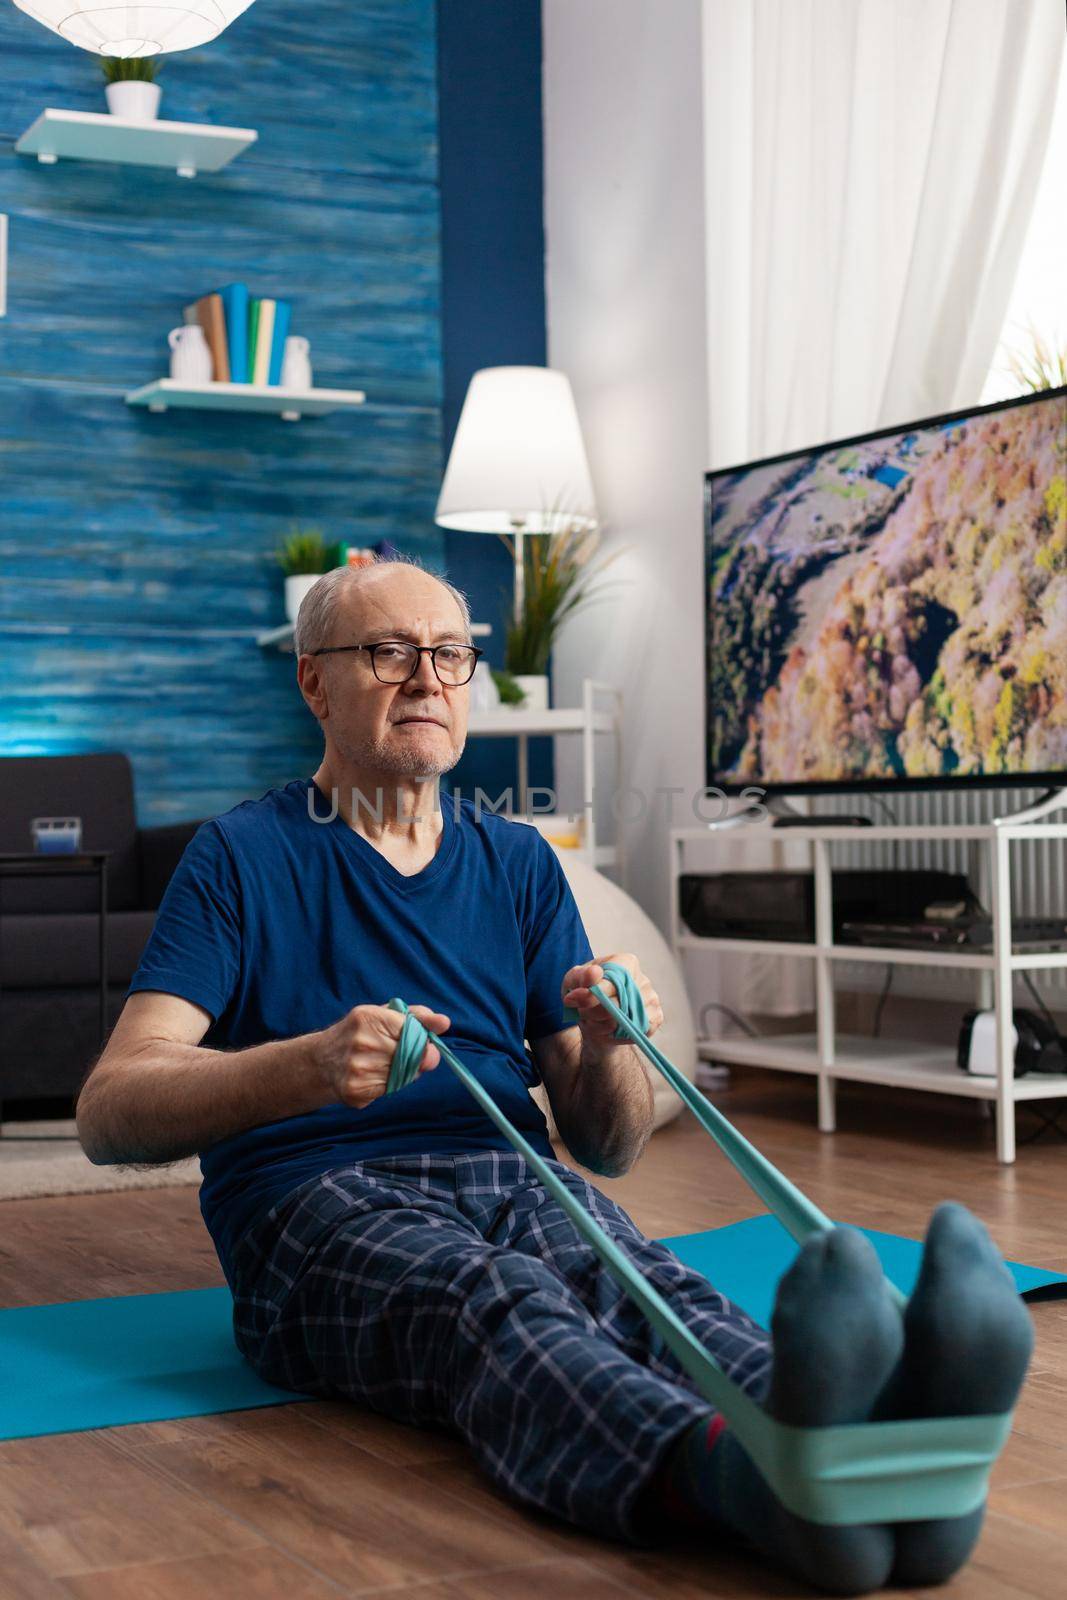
(281, 638)
(187, 147)
(289, 404)
(507, 721)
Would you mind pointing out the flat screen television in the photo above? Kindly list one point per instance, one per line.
(891, 610)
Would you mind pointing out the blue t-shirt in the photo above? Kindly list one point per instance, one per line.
(278, 925)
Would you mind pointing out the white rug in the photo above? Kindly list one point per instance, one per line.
(32, 1166)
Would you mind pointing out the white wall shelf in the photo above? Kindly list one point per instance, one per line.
(509, 721)
(186, 147)
(827, 1055)
(289, 404)
(281, 638)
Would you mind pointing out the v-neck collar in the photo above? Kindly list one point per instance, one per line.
(399, 882)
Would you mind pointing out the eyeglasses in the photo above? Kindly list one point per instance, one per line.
(395, 661)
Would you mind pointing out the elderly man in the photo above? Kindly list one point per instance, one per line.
(393, 1248)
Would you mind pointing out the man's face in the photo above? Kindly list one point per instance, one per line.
(411, 729)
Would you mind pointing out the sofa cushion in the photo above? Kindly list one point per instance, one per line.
(52, 951)
(98, 788)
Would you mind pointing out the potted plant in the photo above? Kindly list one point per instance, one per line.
(508, 691)
(304, 557)
(132, 91)
(1037, 364)
(558, 576)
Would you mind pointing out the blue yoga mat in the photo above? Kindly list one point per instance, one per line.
(746, 1259)
(148, 1357)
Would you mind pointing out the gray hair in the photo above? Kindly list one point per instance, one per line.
(321, 603)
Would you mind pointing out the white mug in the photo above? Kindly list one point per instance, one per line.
(190, 356)
(296, 366)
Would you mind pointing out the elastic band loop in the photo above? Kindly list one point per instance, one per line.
(408, 1052)
(630, 1000)
(872, 1472)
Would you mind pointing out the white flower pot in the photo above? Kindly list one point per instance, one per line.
(135, 100)
(295, 590)
(534, 686)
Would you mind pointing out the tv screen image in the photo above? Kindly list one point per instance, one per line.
(893, 609)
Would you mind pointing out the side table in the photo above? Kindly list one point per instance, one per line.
(87, 863)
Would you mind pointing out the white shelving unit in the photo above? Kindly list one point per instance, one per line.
(289, 404)
(186, 147)
(586, 720)
(827, 1055)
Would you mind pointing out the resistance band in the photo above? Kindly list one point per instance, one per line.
(867, 1472)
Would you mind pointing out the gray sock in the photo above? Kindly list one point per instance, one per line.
(967, 1343)
(837, 1338)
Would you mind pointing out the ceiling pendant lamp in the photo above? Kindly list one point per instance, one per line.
(146, 30)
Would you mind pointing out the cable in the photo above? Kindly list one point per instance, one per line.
(877, 800)
(1047, 1122)
(734, 1016)
(1041, 1006)
(876, 1030)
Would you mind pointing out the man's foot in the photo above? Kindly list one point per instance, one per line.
(837, 1339)
(967, 1343)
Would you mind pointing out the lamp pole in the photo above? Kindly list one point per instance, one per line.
(518, 528)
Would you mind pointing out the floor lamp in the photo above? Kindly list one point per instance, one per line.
(517, 463)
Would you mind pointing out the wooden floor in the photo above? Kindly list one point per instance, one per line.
(315, 1500)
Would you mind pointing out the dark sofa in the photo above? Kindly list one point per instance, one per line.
(49, 994)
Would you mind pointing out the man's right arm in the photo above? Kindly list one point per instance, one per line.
(156, 1094)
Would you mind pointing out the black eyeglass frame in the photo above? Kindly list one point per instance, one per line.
(420, 649)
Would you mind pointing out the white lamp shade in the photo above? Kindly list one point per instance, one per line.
(146, 30)
(518, 456)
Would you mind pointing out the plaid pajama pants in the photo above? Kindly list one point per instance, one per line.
(453, 1291)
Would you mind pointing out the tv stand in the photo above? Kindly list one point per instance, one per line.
(1051, 800)
(827, 1055)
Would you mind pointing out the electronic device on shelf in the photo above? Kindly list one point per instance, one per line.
(781, 905)
(976, 932)
(1036, 1045)
(822, 822)
(863, 628)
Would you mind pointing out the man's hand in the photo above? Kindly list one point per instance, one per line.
(599, 1086)
(596, 1025)
(355, 1054)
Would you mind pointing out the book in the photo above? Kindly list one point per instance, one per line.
(282, 313)
(264, 341)
(212, 319)
(235, 307)
(253, 329)
(208, 312)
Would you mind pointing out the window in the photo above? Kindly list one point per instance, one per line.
(1039, 296)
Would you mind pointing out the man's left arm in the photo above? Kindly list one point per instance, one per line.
(599, 1087)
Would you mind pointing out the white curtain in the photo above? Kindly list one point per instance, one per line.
(870, 169)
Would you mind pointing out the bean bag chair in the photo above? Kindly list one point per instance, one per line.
(615, 922)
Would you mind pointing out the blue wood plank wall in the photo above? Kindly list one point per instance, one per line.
(492, 280)
(136, 550)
